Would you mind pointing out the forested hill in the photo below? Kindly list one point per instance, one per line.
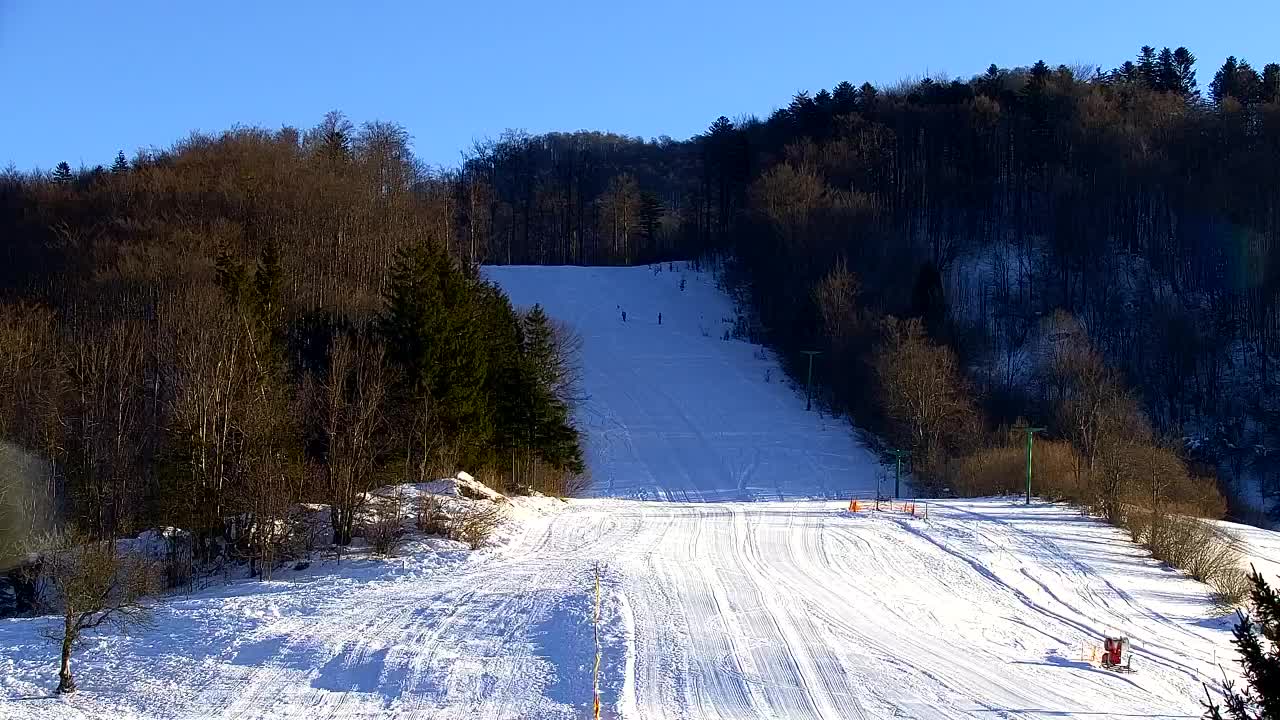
(1092, 251)
(1139, 202)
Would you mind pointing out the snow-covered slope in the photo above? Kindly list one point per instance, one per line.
(729, 610)
(750, 607)
(675, 411)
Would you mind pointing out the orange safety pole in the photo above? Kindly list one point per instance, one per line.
(595, 677)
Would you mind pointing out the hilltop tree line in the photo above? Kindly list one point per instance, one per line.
(205, 336)
(1136, 207)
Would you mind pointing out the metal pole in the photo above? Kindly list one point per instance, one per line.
(897, 476)
(1030, 440)
(808, 387)
(1031, 434)
(897, 479)
(808, 384)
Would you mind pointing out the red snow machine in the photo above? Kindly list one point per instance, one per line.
(1115, 654)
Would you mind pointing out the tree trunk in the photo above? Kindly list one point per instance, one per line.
(66, 684)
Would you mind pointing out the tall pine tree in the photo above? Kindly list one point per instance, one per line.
(431, 329)
(551, 433)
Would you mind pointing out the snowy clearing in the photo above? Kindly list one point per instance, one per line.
(767, 605)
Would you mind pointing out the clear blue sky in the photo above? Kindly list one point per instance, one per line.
(80, 80)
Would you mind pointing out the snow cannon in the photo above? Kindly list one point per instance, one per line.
(1115, 654)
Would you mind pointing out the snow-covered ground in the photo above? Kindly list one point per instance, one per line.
(676, 412)
(754, 607)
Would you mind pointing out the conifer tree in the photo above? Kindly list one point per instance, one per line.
(121, 165)
(62, 173)
(1184, 63)
(267, 285)
(1148, 69)
(1223, 83)
(1260, 700)
(866, 97)
(845, 97)
(1126, 73)
(551, 433)
(504, 381)
(1271, 83)
(430, 327)
(1167, 72)
(1236, 79)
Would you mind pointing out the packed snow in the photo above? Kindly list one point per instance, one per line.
(727, 590)
(676, 412)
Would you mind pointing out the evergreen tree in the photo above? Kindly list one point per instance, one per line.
(1167, 79)
(845, 98)
(62, 173)
(550, 431)
(267, 286)
(1223, 84)
(230, 275)
(1238, 80)
(504, 380)
(332, 138)
(1271, 83)
(1184, 64)
(990, 82)
(121, 165)
(510, 388)
(1260, 700)
(1126, 73)
(867, 94)
(822, 101)
(1148, 68)
(429, 325)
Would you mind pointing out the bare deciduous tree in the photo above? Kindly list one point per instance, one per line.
(922, 391)
(95, 585)
(354, 389)
(566, 373)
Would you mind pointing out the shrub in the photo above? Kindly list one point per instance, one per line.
(1003, 470)
(430, 517)
(1195, 547)
(531, 473)
(1231, 588)
(477, 525)
(384, 528)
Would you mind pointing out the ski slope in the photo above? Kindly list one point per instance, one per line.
(727, 589)
(676, 412)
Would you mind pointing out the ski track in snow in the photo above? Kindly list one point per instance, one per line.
(729, 590)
